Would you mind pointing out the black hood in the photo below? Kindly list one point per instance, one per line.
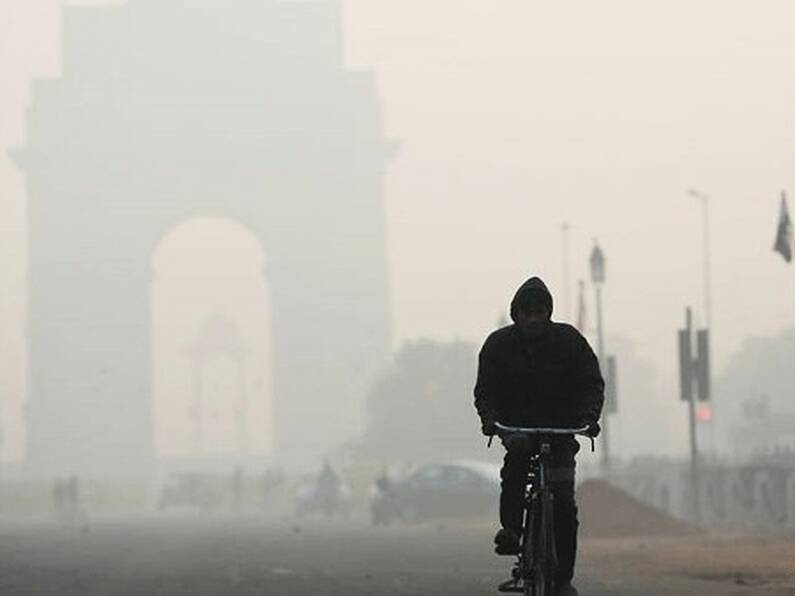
(534, 284)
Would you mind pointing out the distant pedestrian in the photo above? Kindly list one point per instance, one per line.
(58, 498)
(73, 495)
(238, 482)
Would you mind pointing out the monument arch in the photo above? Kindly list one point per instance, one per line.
(169, 110)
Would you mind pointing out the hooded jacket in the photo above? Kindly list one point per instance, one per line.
(556, 381)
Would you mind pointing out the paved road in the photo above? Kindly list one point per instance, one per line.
(226, 555)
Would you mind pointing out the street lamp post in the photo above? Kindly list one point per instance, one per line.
(597, 262)
(706, 253)
(564, 232)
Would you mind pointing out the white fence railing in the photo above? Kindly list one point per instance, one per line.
(758, 494)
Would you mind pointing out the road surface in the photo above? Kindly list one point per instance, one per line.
(188, 554)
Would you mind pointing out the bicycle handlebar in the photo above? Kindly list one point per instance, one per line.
(504, 429)
(541, 430)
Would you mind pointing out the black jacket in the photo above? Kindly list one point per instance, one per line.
(556, 383)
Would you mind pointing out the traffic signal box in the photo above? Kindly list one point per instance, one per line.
(694, 364)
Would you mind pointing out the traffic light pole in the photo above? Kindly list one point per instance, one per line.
(694, 460)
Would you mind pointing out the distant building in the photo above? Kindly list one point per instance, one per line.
(169, 109)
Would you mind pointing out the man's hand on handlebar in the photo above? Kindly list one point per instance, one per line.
(488, 426)
(593, 429)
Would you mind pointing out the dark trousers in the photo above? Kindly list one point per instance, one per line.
(515, 469)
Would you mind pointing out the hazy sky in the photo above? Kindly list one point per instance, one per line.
(514, 120)
(517, 115)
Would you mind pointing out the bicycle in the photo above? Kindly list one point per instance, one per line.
(533, 573)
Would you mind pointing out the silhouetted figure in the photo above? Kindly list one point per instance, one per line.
(66, 499)
(73, 494)
(382, 483)
(329, 489)
(237, 489)
(383, 508)
(58, 498)
(272, 482)
(538, 373)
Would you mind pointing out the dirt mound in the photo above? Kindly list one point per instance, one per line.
(609, 512)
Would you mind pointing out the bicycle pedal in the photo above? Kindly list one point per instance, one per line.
(510, 585)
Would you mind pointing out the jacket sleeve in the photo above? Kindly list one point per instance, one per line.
(486, 384)
(590, 385)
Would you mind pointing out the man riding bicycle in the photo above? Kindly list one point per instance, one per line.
(537, 372)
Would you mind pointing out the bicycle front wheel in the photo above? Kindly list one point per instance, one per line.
(529, 547)
(545, 561)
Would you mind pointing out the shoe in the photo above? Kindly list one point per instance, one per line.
(506, 542)
(566, 589)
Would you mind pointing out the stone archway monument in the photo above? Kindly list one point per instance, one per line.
(172, 109)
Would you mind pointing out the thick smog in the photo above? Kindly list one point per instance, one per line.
(369, 297)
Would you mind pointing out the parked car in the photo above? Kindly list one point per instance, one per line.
(454, 490)
(312, 497)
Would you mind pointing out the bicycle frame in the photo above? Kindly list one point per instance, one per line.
(533, 574)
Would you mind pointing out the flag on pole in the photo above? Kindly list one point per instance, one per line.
(783, 244)
(582, 315)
